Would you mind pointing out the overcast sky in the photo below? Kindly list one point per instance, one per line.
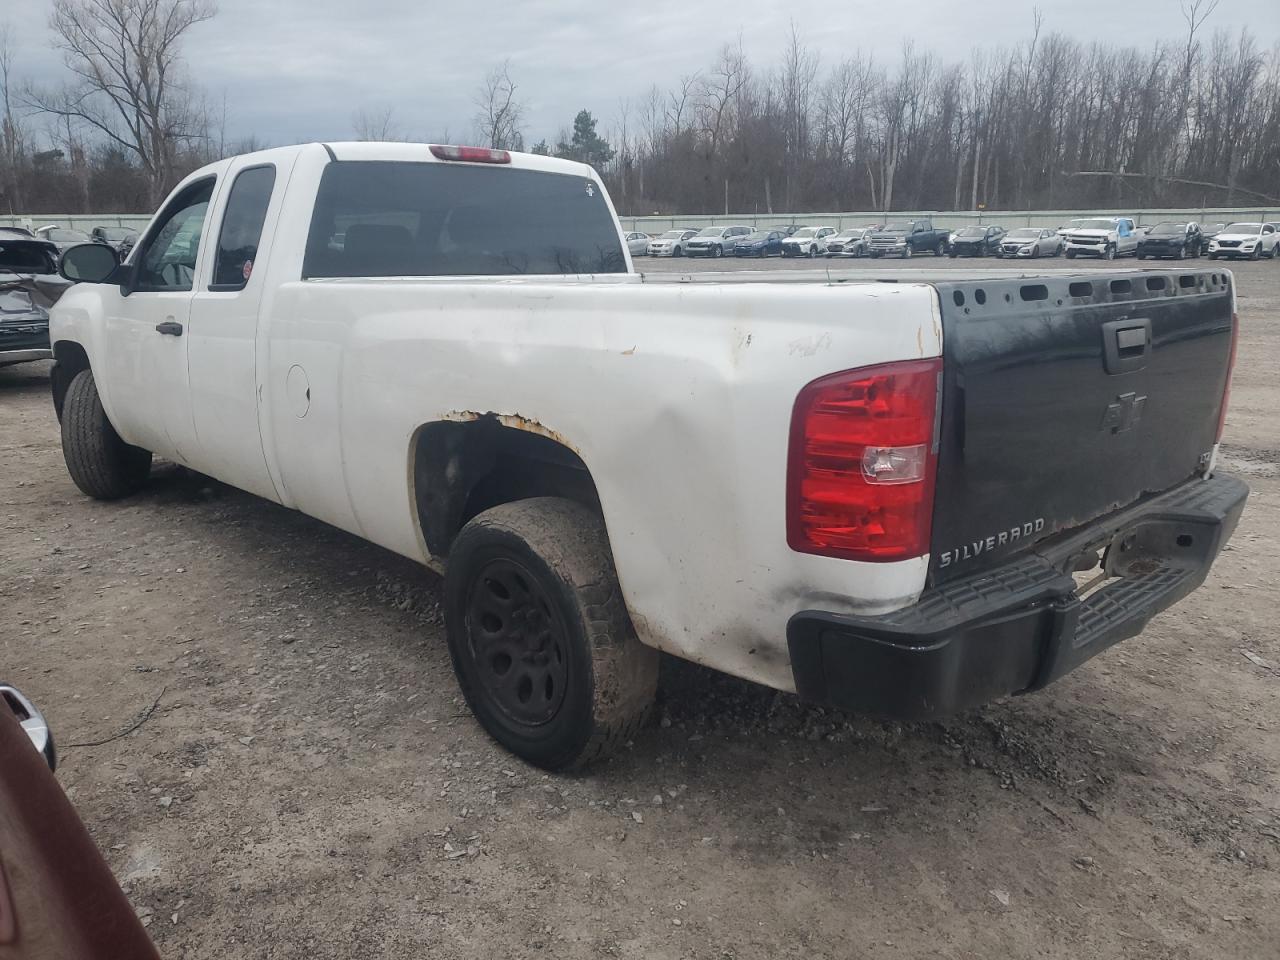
(296, 70)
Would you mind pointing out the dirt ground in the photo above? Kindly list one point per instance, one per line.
(311, 785)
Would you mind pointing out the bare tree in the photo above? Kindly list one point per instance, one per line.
(375, 123)
(128, 83)
(11, 132)
(499, 115)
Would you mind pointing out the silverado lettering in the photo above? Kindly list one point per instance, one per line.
(976, 548)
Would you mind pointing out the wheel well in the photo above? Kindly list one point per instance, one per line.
(463, 467)
(69, 359)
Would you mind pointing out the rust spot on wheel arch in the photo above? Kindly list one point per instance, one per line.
(513, 420)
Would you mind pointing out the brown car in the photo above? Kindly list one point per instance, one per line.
(58, 898)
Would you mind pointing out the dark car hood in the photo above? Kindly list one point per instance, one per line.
(25, 291)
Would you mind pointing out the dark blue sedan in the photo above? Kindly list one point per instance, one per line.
(762, 243)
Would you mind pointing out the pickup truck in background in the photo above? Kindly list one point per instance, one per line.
(1105, 237)
(904, 238)
(877, 495)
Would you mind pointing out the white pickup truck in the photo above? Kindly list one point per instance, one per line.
(880, 495)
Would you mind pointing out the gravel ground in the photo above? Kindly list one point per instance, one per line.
(311, 785)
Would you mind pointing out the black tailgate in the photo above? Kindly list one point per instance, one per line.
(1068, 397)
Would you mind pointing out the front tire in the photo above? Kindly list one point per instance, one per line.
(717, 252)
(677, 252)
(101, 464)
(1110, 253)
(540, 638)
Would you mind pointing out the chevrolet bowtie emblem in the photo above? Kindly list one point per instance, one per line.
(1124, 414)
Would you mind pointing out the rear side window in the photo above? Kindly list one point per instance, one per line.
(242, 227)
(390, 219)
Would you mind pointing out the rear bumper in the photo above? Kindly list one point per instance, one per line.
(1020, 626)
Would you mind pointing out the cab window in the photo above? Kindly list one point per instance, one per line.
(168, 259)
(242, 227)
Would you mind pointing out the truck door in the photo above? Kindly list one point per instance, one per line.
(222, 338)
(145, 352)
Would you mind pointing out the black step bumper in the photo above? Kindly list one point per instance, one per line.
(1020, 626)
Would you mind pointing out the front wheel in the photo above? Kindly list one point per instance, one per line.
(1110, 253)
(906, 252)
(101, 464)
(1257, 253)
(940, 249)
(677, 252)
(1213, 256)
(1071, 254)
(540, 638)
(717, 252)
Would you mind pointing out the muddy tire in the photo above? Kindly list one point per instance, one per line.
(101, 464)
(541, 641)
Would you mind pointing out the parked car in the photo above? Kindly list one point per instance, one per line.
(866, 484)
(852, 242)
(122, 238)
(58, 897)
(1105, 237)
(1250, 240)
(807, 242)
(761, 243)
(638, 243)
(905, 238)
(64, 238)
(715, 241)
(1031, 242)
(29, 286)
(1207, 232)
(670, 244)
(1170, 238)
(976, 241)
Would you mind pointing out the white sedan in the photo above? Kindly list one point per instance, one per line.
(670, 244)
(638, 243)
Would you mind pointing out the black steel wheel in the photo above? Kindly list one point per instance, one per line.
(540, 638)
(517, 641)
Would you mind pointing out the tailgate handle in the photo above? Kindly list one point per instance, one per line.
(1125, 345)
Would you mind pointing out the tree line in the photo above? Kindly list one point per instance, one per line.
(1189, 120)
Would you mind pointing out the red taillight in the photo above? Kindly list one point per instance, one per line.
(1231, 366)
(862, 460)
(470, 154)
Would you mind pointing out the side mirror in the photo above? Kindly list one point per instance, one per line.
(31, 720)
(89, 263)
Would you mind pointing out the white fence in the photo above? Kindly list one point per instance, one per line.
(656, 224)
(950, 218)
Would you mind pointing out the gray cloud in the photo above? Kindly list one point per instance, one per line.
(296, 70)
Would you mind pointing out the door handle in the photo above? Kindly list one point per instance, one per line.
(169, 328)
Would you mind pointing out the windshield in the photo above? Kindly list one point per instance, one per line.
(1243, 228)
(672, 235)
(58, 233)
(1167, 230)
(20, 256)
(1093, 224)
(758, 235)
(900, 226)
(804, 232)
(971, 232)
(850, 235)
(711, 231)
(1026, 233)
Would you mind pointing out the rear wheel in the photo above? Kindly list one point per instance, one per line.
(101, 464)
(541, 642)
